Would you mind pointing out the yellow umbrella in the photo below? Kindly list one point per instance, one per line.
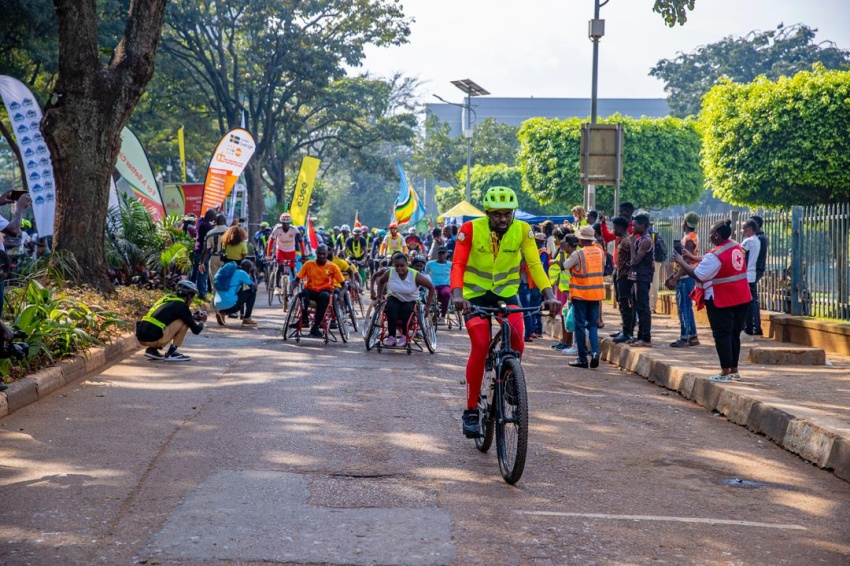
(463, 208)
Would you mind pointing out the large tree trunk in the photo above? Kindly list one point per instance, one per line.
(84, 117)
(256, 202)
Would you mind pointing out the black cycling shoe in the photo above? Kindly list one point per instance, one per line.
(471, 426)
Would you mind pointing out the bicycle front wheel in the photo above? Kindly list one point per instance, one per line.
(512, 421)
(270, 285)
(486, 412)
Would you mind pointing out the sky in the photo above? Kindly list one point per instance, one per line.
(540, 48)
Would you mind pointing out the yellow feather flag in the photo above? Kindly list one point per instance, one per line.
(182, 145)
(303, 190)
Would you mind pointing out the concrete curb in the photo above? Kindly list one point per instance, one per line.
(44, 382)
(826, 444)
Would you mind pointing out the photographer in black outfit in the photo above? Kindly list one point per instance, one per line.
(8, 348)
(168, 321)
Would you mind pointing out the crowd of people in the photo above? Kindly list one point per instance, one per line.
(487, 261)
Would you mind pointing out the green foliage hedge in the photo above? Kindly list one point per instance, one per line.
(779, 143)
(661, 168)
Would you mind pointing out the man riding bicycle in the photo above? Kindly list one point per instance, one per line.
(393, 242)
(485, 272)
(356, 249)
(285, 239)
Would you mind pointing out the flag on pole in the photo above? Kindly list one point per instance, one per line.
(311, 233)
(408, 207)
(182, 145)
(303, 189)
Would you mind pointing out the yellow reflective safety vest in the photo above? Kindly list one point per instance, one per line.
(587, 281)
(484, 273)
(558, 276)
(149, 317)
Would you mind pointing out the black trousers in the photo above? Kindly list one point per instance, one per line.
(322, 298)
(397, 311)
(644, 313)
(244, 298)
(726, 326)
(624, 301)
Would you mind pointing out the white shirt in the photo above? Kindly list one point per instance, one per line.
(706, 270)
(752, 246)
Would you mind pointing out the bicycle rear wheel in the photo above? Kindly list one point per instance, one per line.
(512, 421)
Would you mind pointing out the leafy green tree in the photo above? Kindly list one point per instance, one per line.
(774, 53)
(779, 143)
(282, 61)
(661, 165)
(481, 178)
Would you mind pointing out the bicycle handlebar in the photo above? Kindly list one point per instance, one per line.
(507, 309)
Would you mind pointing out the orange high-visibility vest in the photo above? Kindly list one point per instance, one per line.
(586, 283)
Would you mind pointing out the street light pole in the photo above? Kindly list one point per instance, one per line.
(470, 88)
(595, 31)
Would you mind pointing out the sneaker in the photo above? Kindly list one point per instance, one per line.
(389, 341)
(640, 344)
(680, 343)
(578, 364)
(616, 334)
(278, 291)
(693, 342)
(735, 376)
(153, 354)
(233, 315)
(174, 356)
(401, 342)
(219, 318)
(249, 322)
(594, 361)
(471, 426)
(315, 333)
(559, 346)
(572, 351)
(622, 338)
(721, 378)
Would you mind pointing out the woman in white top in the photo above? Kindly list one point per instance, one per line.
(402, 286)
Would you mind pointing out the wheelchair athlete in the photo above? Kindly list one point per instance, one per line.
(402, 286)
(320, 276)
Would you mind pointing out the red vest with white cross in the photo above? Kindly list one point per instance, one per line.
(730, 285)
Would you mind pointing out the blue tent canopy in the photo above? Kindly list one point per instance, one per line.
(531, 219)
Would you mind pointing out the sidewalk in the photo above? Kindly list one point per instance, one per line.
(803, 408)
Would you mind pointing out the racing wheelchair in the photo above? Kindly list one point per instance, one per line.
(302, 314)
(420, 330)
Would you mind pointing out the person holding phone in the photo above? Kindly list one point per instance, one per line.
(12, 227)
(684, 284)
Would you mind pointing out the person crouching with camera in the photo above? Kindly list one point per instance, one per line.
(168, 321)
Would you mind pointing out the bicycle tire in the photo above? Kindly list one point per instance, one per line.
(270, 284)
(340, 322)
(512, 420)
(428, 332)
(290, 318)
(486, 414)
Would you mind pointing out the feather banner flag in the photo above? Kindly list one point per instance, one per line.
(408, 206)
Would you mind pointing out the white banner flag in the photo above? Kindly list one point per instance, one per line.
(38, 169)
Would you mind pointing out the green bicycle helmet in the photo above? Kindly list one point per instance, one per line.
(500, 197)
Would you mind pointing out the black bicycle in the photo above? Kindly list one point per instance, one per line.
(503, 401)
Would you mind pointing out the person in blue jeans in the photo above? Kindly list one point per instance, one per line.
(201, 279)
(587, 291)
(684, 285)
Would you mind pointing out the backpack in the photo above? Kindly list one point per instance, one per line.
(660, 249)
(223, 277)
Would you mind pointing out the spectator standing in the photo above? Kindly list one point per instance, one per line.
(587, 291)
(212, 247)
(234, 244)
(437, 242)
(760, 269)
(722, 279)
(201, 278)
(752, 248)
(622, 283)
(560, 280)
(580, 216)
(641, 272)
(552, 247)
(235, 289)
(684, 284)
(11, 228)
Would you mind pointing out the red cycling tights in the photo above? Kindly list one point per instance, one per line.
(479, 335)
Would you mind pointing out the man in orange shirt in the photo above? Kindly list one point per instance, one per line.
(320, 277)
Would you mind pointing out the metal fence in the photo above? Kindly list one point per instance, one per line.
(806, 270)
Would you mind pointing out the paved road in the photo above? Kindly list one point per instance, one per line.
(261, 451)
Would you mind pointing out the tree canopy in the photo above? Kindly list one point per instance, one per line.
(774, 53)
(661, 165)
(674, 11)
(779, 143)
(481, 178)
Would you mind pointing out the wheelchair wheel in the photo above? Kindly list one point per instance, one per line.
(373, 328)
(428, 330)
(293, 316)
(352, 316)
(340, 321)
